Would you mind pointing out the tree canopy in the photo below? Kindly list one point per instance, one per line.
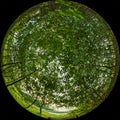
(59, 59)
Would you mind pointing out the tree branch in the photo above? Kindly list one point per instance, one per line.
(20, 79)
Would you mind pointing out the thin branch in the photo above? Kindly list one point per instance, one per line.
(13, 35)
(10, 64)
(32, 102)
(6, 56)
(43, 103)
(20, 79)
(3, 70)
(41, 106)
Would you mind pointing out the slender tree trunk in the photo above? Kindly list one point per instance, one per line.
(20, 79)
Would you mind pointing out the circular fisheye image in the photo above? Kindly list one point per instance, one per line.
(59, 59)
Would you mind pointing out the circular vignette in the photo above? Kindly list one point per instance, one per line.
(59, 59)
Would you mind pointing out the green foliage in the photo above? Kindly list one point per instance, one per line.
(59, 59)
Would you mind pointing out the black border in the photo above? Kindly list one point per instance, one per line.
(10, 10)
